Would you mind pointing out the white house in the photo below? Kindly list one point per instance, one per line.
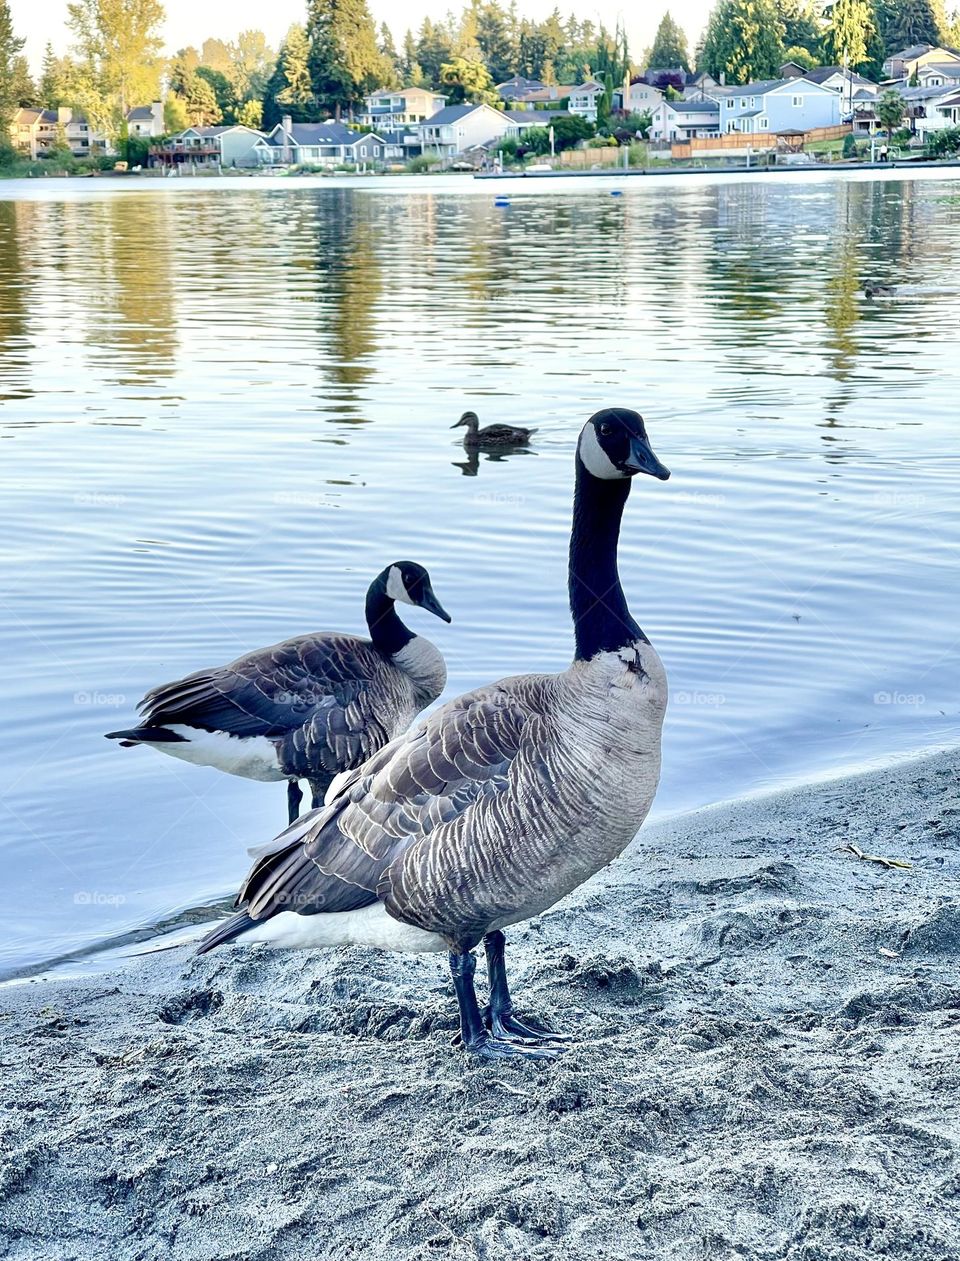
(585, 99)
(457, 128)
(774, 105)
(639, 97)
(684, 120)
(928, 109)
(522, 120)
(146, 120)
(938, 74)
(399, 110)
(321, 144)
(910, 61)
(37, 131)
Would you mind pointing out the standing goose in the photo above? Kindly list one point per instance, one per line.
(307, 708)
(491, 435)
(499, 803)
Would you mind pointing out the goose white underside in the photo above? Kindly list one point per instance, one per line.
(251, 757)
(368, 926)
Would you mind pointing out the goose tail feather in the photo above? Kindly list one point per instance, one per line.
(225, 931)
(146, 735)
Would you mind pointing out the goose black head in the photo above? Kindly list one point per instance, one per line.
(470, 419)
(614, 445)
(409, 583)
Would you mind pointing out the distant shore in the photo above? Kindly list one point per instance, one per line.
(765, 1066)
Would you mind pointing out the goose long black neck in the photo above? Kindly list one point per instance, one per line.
(387, 631)
(601, 619)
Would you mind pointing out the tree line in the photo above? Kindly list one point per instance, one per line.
(337, 55)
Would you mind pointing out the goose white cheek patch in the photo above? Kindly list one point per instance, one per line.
(395, 588)
(595, 459)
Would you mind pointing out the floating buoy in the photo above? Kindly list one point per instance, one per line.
(501, 201)
(616, 192)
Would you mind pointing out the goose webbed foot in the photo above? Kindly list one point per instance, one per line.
(294, 797)
(474, 1035)
(498, 1015)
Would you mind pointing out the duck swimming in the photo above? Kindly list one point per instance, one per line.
(499, 803)
(307, 708)
(491, 435)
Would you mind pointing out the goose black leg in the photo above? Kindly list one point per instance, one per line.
(498, 1014)
(319, 792)
(294, 797)
(474, 1033)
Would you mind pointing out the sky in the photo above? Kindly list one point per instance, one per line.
(225, 18)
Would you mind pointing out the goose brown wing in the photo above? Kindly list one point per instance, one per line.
(272, 691)
(418, 787)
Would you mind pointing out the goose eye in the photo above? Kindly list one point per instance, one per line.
(606, 430)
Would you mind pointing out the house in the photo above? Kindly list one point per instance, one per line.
(517, 88)
(637, 96)
(949, 108)
(403, 109)
(524, 93)
(906, 63)
(522, 120)
(457, 128)
(774, 105)
(212, 148)
(322, 144)
(32, 131)
(925, 108)
(684, 120)
(146, 120)
(938, 74)
(792, 70)
(37, 131)
(585, 99)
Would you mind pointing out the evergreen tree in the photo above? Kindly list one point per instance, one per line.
(800, 26)
(467, 80)
(743, 41)
(289, 90)
(344, 59)
(669, 46)
(49, 86)
(434, 49)
(252, 61)
(497, 39)
(390, 73)
(10, 49)
(848, 35)
(908, 22)
(200, 100)
(24, 89)
(223, 93)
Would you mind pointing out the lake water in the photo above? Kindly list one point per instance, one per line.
(225, 405)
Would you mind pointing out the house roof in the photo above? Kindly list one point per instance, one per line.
(450, 114)
(926, 94)
(591, 85)
(26, 115)
(140, 113)
(328, 133)
(950, 102)
(695, 107)
(940, 67)
(819, 74)
(536, 117)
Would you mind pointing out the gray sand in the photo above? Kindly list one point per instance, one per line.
(753, 1078)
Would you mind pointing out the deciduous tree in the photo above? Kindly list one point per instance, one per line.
(466, 80)
(11, 48)
(118, 44)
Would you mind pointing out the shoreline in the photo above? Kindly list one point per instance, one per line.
(765, 1066)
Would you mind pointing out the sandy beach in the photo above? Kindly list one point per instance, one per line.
(766, 1066)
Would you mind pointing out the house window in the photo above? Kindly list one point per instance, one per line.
(753, 102)
(796, 100)
(763, 124)
(743, 102)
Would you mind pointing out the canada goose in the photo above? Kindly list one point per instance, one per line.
(307, 708)
(499, 803)
(872, 289)
(491, 435)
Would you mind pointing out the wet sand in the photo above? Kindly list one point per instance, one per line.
(766, 1066)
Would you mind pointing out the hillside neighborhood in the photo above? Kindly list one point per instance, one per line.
(670, 109)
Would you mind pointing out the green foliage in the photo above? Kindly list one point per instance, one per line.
(944, 143)
(849, 146)
(890, 110)
(290, 90)
(175, 117)
(134, 150)
(801, 29)
(568, 132)
(10, 50)
(744, 41)
(119, 47)
(390, 76)
(466, 80)
(225, 102)
(536, 140)
(420, 165)
(848, 35)
(250, 114)
(799, 54)
(669, 46)
(906, 22)
(344, 60)
(497, 38)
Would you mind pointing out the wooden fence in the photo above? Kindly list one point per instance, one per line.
(583, 159)
(741, 141)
